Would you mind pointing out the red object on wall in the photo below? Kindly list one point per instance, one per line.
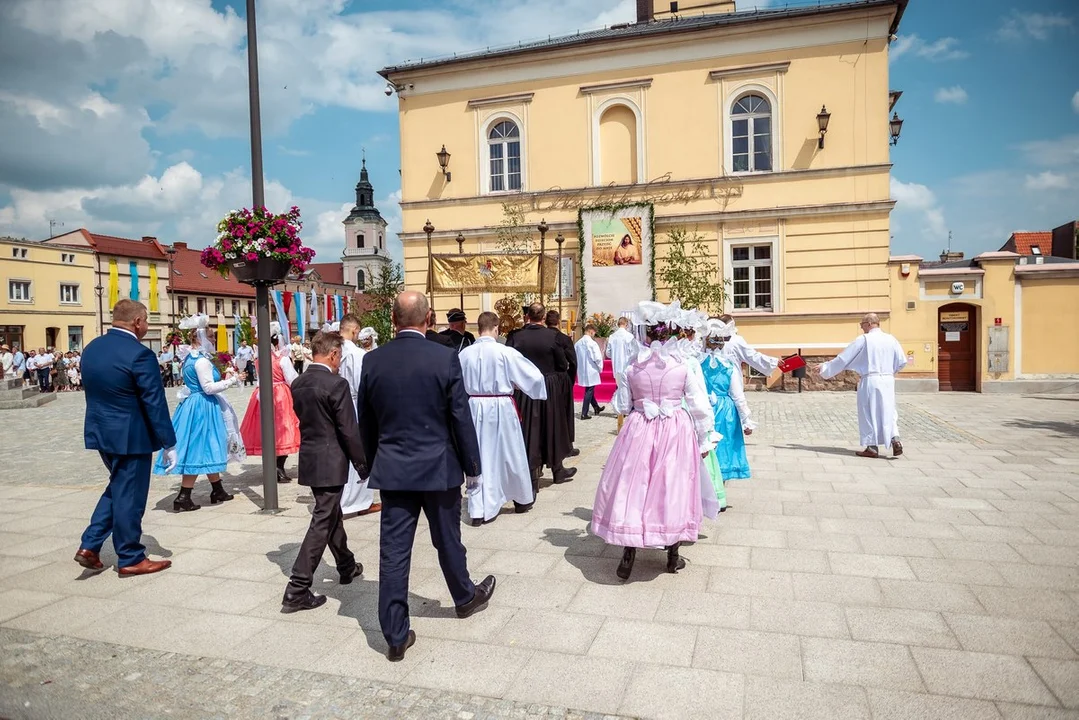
(998, 321)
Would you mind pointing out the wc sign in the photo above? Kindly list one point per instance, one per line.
(957, 288)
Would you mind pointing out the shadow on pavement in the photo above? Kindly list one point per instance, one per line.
(1060, 428)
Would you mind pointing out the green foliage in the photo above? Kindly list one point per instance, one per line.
(604, 322)
(386, 286)
(247, 332)
(691, 273)
(514, 236)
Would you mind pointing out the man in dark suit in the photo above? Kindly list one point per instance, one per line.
(127, 421)
(329, 443)
(434, 336)
(554, 321)
(420, 444)
(545, 423)
(457, 332)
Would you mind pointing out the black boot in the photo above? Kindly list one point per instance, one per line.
(183, 501)
(218, 494)
(282, 476)
(629, 555)
(674, 562)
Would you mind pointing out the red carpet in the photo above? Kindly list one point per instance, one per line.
(605, 389)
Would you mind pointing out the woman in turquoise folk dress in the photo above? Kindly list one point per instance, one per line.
(726, 392)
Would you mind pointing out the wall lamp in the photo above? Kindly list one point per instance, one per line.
(444, 162)
(822, 124)
(895, 125)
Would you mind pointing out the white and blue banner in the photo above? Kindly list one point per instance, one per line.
(339, 306)
(301, 314)
(282, 317)
(314, 309)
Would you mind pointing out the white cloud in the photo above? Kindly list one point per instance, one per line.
(937, 51)
(1075, 101)
(1039, 26)
(955, 95)
(1047, 180)
(1063, 151)
(919, 204)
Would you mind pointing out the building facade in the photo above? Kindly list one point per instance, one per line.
(709, 116)
(48, 298)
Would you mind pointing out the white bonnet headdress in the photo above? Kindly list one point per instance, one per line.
(199, 323)
(716, 328)
(331, 327)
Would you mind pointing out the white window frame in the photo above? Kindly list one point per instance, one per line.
(728, 129)
(77, 295)
(200, 306)
(29, 290)
(485, 152)
(219, 306)
(728, 272)
(597, 150)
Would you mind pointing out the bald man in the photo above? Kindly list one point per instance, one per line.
(876, 356)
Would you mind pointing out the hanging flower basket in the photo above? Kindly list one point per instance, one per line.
(258, 247)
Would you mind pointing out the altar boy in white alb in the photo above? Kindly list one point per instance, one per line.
(491, 371)
(876, 356)
(357, 497)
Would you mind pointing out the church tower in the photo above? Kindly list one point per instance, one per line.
(365, 237)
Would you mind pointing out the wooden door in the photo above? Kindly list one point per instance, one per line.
(956, 326)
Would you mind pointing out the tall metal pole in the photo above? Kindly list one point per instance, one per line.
(461, 251)
(543, 246)
(262, 292)
(429, 228)
(559, 239)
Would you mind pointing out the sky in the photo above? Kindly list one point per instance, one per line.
(129, 117)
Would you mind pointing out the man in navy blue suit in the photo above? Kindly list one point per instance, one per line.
(420, 444)
(127, 420)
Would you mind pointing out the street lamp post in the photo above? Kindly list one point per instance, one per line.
(559, 239)
(262, 291)
(172, 293)
(461, 251)
(99, 290)
(543, 228)
(429, 228)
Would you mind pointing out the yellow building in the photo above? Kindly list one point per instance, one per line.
(48, 298)
(711, 119)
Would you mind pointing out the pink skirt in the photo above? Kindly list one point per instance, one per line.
(650, 492)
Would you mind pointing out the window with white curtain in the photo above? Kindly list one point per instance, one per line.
(504, 154)
(69, 294)
(751, 134)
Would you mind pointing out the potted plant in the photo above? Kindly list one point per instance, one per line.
(258, 247)
(605, 326)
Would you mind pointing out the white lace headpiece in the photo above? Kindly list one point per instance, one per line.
(331, 327)
(717, 328)
(368, 333)
(199, 323)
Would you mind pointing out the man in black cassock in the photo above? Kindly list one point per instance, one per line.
(545, 423)
(554, 321)
(457, 332)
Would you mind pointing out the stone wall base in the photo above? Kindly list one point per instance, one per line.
(1031, 387)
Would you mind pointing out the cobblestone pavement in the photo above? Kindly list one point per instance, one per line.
(942, 584)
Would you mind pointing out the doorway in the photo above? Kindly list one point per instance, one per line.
(956, 342)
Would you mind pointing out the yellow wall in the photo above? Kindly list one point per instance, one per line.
(44, 267)
(1050, 342)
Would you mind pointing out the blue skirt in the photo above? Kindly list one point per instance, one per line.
(201, 438)
(731, 450)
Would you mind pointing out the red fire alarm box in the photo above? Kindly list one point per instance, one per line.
(998, 321)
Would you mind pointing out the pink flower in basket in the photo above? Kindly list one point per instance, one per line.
(250, 235)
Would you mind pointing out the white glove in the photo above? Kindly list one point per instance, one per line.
(472, 482)
(171, 460)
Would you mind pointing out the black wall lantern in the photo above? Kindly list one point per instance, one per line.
(444, 162)
(822, 124)
(895, 126)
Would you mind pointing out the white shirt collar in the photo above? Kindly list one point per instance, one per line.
(414, 332)
(126, 331)
(485, 338)
(323, 365)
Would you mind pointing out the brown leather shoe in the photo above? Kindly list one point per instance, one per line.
(897, 448)
(375, 507)
(867, 453)
(88, 559)
(146, 567)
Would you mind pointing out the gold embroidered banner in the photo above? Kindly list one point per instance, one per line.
(493, 272)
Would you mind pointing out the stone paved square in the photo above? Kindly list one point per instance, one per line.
(944, 583)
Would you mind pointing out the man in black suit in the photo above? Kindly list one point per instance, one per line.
(420, 444)
(329, 443)
(554, 321)
(545, 423)
(459, 336)
(434, 336)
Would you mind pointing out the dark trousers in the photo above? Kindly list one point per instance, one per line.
(249, 373)
(120, 509)
(589, 400)
(44, 379)
(327, 528)
(298, 366)
(400, 513)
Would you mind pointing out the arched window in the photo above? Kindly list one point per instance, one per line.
(618, 145)
(751, 134)
(504, 151)
(361, 280)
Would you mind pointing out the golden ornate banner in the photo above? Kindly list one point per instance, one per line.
(493, 272)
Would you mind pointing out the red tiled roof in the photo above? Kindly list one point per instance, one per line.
(1023, 242)
(191, 276)
(333, 273)
(147, 248)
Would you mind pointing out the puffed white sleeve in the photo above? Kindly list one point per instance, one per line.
(623, 400)
(700, 410)
(525, 375)
(841, 361)
(288, 369)
(204, 369)
(737, 392)
(764, 364)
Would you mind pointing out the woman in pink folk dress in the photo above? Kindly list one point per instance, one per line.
(650, 493)
(286, 424)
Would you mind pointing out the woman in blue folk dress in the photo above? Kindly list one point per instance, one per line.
(726, 392)
(204, 442)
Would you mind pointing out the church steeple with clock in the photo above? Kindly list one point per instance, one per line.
(365, 237)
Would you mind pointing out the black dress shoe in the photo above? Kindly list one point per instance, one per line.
(564, 476)
(601, 409)
(484, 591)
(574, 452)
(586, 417)
(307, 601)
(282, 477)
(348, 577)
(475, 522)
(521, 509)
(397, 652)
(629, 555)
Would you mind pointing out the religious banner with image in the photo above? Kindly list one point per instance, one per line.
(493, 272)
(616, 248)
(616, 241)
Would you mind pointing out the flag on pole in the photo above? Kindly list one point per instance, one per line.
(314, 309)
(237, 334)
(301, 315)
(282, 316)
(338, 305)
(286, 301)
(222, 335)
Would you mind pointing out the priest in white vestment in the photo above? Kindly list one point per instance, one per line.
(491, 371)
(357, 497)
(876, 356)
(621, 349)
(738, 351)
